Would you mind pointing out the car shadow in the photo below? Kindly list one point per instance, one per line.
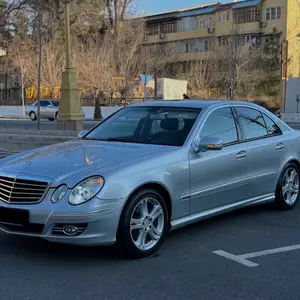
(40, 249)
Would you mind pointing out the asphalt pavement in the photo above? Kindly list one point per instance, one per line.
(184, 268)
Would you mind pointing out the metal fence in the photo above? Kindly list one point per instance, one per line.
(87, 101)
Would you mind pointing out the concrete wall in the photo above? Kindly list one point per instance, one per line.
(293, 89)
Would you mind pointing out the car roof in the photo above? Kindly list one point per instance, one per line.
(191, 103)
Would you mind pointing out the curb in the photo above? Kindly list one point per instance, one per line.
(13, 117)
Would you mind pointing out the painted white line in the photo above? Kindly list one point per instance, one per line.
(243, 258)
(236, 258)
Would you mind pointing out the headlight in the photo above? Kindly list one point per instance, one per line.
(86, 190)
(59, 193)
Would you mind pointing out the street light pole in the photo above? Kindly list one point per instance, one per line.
(70, 115)
(39, 76)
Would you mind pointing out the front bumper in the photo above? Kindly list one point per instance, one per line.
(98, 220)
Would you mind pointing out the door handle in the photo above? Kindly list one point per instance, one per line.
(241, 154)
(279, 146)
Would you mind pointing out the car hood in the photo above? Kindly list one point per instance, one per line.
(73, 161)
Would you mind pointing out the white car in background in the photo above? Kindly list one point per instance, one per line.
(48, 109)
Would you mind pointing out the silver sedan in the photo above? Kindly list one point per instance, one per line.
(48, 109)
(150, 168)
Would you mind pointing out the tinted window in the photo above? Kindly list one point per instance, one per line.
(221, 124)
(55, 103)
(252, 122)
(272, 127)
(44, 103)
(147, 125)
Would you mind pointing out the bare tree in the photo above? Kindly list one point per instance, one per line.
(23, 55)
(201, 76)
(52, 63)
(234, 55)
(9, 9)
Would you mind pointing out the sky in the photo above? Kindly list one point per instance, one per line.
(156, 6)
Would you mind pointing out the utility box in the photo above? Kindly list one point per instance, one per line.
(171, 89)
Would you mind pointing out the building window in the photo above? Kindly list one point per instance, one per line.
(250, 39)
(209, 45)
(206, 21)
(169, 27)
(273, 13)
(187, 24)
(246, 15)
(152, 30)
(223, 16)
(223, 40)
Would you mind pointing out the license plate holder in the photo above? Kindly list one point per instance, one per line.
(14, 216)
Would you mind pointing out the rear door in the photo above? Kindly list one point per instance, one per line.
(265, 149)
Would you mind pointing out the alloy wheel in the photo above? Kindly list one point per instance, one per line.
(147, 223)
(290, 186)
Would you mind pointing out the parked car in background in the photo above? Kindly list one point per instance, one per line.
(48, 109)
(150, 168)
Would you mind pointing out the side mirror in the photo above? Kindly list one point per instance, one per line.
(207, 143)
(81, 134)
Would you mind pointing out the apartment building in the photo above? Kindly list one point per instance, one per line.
(194, 33)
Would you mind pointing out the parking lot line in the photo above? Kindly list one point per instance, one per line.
(244, 258)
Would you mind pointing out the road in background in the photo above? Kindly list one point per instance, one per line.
(32, 125)
(48, 125)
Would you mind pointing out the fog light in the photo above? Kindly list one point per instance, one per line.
(70, 230)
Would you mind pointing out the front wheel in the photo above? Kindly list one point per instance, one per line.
(143, 224)
(287, 192)
(32, 116)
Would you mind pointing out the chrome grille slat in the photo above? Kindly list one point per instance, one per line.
(26, 184)
(4, 185)
(4, 195)
(22, 190)
(2, 180)
(28, 193)
(1, 189)
(18, 188)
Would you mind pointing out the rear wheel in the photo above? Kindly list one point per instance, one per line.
(32, 116)
(287, 192)
(143, 224)
(51, 119)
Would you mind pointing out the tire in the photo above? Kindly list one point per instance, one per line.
(287, 190)
(51, 119)
(127, 236)
(32, 116)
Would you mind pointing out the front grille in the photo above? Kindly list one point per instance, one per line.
(22, 191)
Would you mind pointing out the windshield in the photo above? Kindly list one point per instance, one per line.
(147, 125)
(55, 103)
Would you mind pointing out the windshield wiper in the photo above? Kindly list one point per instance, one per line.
(121, 140)
(114, 140)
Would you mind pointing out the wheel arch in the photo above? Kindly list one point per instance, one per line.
(157, 186)
(290, 160)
